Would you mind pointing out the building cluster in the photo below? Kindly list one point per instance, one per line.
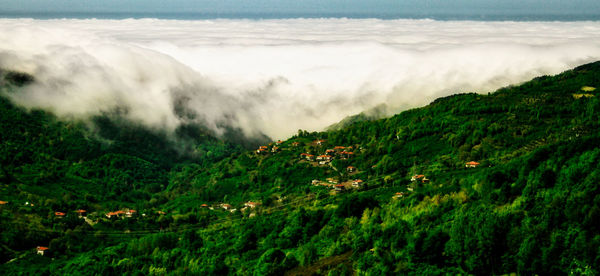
(329, 154)
(80, 213)
(272, 147)
(419, 177)
(122, 213)
(340, 152)
(228, 207)
(339, 187)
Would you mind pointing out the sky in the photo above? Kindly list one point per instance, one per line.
(307, 7)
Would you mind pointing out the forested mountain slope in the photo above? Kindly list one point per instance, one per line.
(470, 184)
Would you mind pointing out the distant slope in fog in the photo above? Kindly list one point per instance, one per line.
(378, 112)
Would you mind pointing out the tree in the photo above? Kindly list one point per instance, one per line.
(271, 263)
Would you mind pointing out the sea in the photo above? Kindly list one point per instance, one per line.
(468, 15)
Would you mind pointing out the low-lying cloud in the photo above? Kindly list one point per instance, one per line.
(276, 76)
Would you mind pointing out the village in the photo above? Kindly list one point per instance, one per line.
(248, 208)
(317, 155)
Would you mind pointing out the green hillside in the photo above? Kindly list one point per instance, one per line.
(470, 184)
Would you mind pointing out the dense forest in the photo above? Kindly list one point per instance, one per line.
(501, 183)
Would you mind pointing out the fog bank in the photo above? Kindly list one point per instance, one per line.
(276, 76)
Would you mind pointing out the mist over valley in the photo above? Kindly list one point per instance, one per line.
(269, 78)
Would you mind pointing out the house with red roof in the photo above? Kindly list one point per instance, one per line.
(320, 142)
(308, 157)
(324, 159)
(118, 214)
(339, 188)
(275, 149)
(2, 202)
(41, 250)
(347, 154)
(419, 177)
(130, 212)
(251, 204)
(295, 144)
(471, 164)
(204, 205)
(357, 183)
(226, 206)
(59, 214)
(398, 195)
(81, 213)
(350, 169)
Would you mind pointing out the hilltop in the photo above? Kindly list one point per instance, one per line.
(469, 184)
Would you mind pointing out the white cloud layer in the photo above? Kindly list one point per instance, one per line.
(277, 76)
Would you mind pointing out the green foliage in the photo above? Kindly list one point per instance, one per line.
(530, 207)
